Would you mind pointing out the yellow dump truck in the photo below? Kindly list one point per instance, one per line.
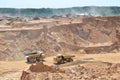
(60, 59)
(35, 56)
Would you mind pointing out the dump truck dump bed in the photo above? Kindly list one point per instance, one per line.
(29, 54)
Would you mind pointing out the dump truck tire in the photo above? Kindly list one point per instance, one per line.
(39, 60)
(28, 60)
(31, 60)
(62, 61)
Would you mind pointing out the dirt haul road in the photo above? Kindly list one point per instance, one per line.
(12, 70)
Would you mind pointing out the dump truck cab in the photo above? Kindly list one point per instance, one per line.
(59, 59)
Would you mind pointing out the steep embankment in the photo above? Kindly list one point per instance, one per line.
(94, 34)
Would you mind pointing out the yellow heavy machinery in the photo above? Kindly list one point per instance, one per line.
(60, 59)
(35, 57)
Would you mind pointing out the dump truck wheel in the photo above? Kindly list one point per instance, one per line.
(32, 60)
(62, 61)
(28, 60)
(39, 59)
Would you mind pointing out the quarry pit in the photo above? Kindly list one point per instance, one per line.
(95, 42)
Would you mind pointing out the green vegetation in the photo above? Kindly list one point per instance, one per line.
(48, 12)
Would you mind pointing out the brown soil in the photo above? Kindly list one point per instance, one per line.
(40, 67)
(12, 70)
(92, 34)
(78, 36)
(89, 71)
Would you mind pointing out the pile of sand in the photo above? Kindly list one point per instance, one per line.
(40, 67)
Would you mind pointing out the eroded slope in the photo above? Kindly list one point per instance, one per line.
(93, 34)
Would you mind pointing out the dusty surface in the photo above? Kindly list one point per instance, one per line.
(107, 71)
(81, 69)
(11, 66)
(12, 70)
(95, 41)
(92, 34)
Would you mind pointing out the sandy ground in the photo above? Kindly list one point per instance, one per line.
(12, 70)
(108, 57)
(13, 66)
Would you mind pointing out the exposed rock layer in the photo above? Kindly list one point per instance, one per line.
(93, 34)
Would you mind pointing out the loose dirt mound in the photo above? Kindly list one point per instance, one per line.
(88, 71)
(40, 67)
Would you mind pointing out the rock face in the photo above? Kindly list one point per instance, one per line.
(94, 34)
(90, 71)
